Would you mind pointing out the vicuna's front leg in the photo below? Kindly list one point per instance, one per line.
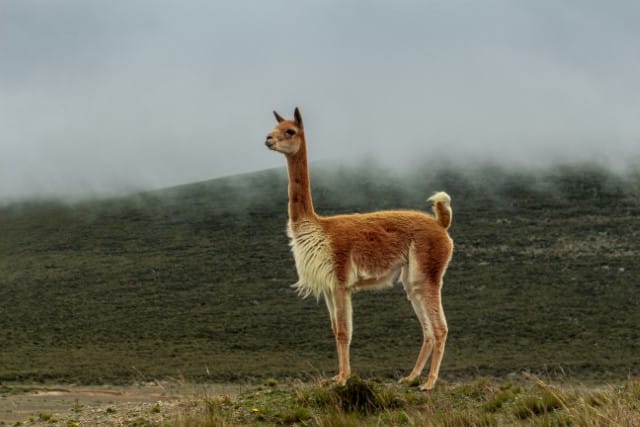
(339, 305)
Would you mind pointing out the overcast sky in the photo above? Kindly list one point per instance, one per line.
(114, 95)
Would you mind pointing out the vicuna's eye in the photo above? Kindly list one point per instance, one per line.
(290, 132)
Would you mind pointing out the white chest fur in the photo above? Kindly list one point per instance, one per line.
(312, 253)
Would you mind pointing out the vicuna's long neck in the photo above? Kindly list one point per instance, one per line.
(300, 202)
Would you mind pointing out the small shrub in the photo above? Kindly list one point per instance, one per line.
(357, 396)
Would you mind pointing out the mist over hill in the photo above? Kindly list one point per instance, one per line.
(192, 281)
(106, 97)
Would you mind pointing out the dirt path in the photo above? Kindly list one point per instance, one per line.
(101, 405)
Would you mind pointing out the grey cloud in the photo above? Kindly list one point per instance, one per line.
(113, 96)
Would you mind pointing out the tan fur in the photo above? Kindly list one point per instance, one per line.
(338, 255)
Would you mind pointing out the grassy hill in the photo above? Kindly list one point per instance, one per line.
(192, 282)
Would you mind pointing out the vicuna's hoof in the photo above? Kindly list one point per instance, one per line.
(410, 381)
(429, 385)
(340, 379)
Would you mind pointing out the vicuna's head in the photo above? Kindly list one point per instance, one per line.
(287, 136)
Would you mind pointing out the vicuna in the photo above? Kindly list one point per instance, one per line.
(338, 255)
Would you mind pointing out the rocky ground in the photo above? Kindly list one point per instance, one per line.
(147, 404)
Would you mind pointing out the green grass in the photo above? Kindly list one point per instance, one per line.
(192, 282)
(530, 402)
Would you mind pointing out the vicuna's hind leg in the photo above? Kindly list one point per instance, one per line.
(425, 298)
(427, 336)
(432, 303)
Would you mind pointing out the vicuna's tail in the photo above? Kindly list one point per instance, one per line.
(442, 208)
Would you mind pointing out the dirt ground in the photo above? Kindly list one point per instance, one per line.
(101, 405)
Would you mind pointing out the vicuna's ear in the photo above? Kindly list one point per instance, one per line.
(279, 118)
(298, 117)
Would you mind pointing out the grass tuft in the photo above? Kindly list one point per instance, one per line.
(498, 401)
(357, 396)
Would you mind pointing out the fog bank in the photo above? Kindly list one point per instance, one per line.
(102, 98)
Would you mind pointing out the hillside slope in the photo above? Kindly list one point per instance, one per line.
(193, 281)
